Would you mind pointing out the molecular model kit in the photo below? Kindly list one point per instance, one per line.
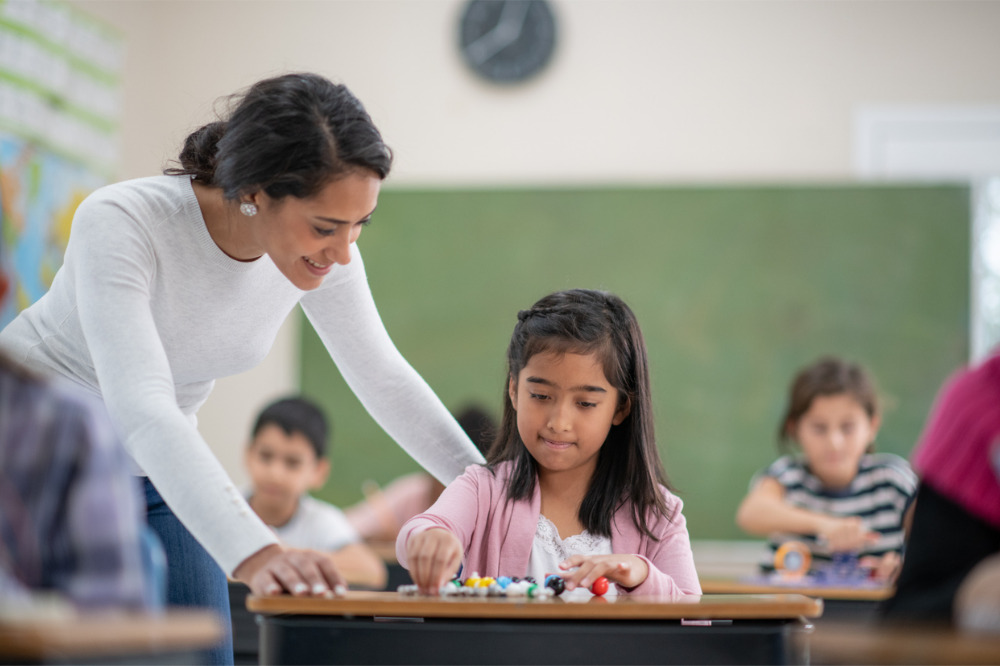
(793, 565)
(505, 586)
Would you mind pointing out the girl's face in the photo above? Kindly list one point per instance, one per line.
(306, 237)
(565, 408)
(834, 434)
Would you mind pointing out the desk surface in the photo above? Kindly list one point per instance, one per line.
(98, 634)
(393, 604)
(853, 644)
(733, 586)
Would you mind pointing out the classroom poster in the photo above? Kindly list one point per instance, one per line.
(60, 106)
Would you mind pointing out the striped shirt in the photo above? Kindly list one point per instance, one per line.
(959, 451)
(879, 495)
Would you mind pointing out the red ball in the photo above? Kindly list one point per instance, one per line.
(600, 586)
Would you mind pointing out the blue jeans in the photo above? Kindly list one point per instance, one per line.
(193, 577)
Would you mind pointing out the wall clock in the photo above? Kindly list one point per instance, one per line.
(507, 41)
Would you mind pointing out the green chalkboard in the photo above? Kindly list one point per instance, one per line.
(735, 288)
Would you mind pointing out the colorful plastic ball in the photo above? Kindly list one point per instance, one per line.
(555, 583)
(600, 586)
(503, 581)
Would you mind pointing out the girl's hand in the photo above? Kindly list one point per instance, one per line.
(885, 568)
(434, 556)
(275, 569)
(845, 534)
(626, 570)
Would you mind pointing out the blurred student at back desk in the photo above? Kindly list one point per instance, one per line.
(379, 516)
(71, 517)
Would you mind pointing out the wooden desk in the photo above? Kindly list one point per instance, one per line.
(172, 638)
(729, 586)
(388, 628)
(841, 604)
(915, 644)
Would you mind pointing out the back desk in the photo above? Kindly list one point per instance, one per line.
(177, 636)
(840, 604)
(844, 644)
(388, 628)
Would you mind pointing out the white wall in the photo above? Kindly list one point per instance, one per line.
(640, 91)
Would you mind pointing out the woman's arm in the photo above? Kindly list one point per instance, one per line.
(347, 321)
(112, 265)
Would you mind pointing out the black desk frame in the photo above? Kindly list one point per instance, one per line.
(312, 639)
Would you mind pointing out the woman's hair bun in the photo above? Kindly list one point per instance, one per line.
(198, 154)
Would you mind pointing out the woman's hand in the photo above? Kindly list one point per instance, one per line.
(626, 570)
(433, 556)
(275, 569)
(845, 534)
(885, 568)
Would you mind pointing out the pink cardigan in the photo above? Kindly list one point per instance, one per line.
(497, 535)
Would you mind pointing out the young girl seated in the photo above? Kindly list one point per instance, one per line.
(573, 485)
(837, 496)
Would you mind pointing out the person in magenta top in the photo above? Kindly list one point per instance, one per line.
(573, 484)
(956, 523)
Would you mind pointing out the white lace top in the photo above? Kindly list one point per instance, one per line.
(548, 550)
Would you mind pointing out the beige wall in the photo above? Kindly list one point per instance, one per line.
(640, 91)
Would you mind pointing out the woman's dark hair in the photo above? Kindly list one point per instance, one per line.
(628, 469)
(287, 135)
(827, 376)
(297, 414)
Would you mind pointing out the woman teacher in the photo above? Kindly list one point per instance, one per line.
(173, 281)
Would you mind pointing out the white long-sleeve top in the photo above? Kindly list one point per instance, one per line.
(147, 312)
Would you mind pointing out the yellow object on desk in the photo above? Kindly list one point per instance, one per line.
(792, 559)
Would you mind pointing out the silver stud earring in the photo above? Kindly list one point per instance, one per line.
(248, 209)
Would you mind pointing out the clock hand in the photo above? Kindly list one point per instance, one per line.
(505, 33)
(512, 20)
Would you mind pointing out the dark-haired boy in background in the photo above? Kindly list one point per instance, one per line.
(286, 458)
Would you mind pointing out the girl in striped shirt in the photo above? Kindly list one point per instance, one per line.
(835, 494)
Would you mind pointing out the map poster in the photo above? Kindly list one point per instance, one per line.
(60, 101)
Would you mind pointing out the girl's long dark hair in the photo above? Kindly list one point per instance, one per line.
(629, 469)
(287, 135)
